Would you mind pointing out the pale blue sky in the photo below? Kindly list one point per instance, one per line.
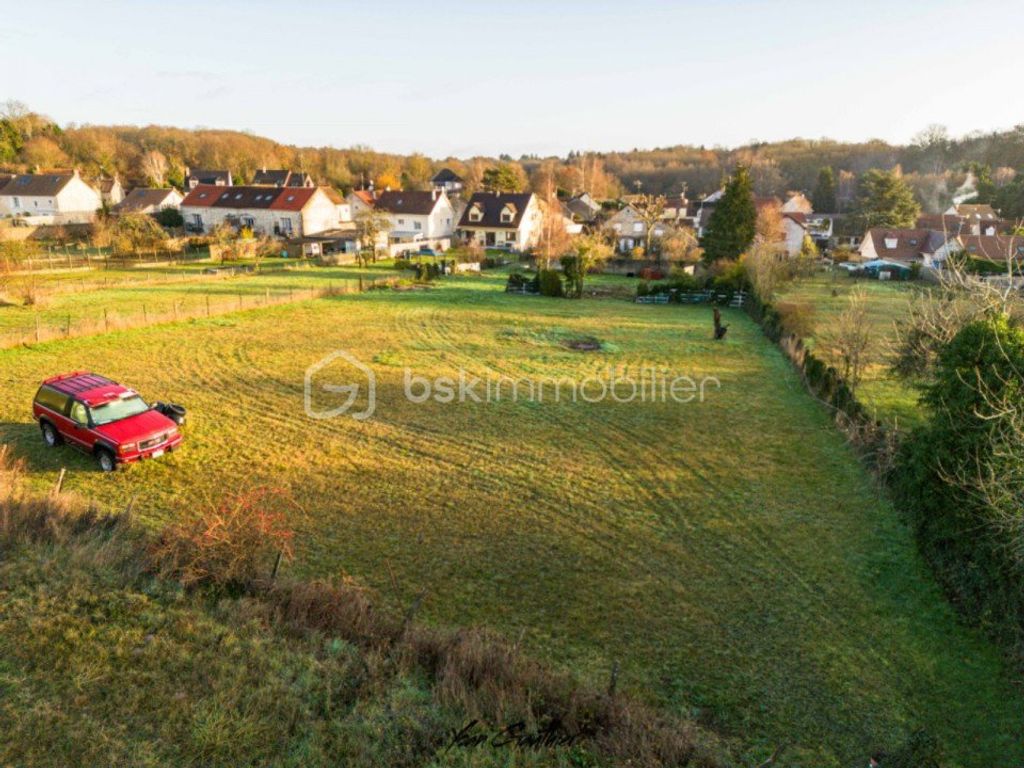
(486, 77)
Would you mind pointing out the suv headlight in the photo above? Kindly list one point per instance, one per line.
(126, 447)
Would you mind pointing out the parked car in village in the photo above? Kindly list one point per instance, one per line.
(105, 419)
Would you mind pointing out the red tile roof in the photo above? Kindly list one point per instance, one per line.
(273, 198)
(293, 198)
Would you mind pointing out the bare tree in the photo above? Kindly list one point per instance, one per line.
(935, 315)
(154, 167)
(554, 241)
(850, 340)
(765, 269)
(370, 224)
(649, 209)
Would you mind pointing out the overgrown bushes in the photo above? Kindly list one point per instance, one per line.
(960, 478)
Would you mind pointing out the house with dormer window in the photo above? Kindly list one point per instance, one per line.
(417, 215)
(274, 211)
(502, 220)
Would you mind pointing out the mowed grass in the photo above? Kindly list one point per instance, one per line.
(888, 397)
(731, 554)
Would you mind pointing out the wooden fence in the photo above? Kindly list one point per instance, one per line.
(190, 307)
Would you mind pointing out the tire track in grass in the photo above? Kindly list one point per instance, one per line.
(771, 551)
(618, 538)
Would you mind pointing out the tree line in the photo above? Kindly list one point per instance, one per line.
(934, 165)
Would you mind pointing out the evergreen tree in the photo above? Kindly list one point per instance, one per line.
(885, 200)
(1009, 200)
(733, 223)
(824, 196)
(986, 188)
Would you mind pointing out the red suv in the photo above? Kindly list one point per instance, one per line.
(99, 416)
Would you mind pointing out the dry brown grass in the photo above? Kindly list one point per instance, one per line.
(472, 670)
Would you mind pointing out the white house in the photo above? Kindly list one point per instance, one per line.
(502, 219)
(630, 230)
(200, 176)
(279, 211)
(417, 215)
(110, 190)
(149, 200)
(797, 202)
(446, 180)
(360, 201)
(57, 198)
(905, 246)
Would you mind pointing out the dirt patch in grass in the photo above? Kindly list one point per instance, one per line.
(583, 344)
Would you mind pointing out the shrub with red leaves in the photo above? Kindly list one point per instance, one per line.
(233, 545)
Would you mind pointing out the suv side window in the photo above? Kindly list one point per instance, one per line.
(79, 413)
(52, 399)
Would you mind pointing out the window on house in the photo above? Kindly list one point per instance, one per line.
(401, 222)
(17, 203)
(475, 215)
(417, 225)
(510, 237)
(638, 227)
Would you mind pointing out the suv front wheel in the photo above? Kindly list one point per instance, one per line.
(51, 436)
(105, 459)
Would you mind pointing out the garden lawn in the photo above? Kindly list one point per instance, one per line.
(731, 555)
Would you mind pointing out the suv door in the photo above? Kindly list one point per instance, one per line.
(77, 429)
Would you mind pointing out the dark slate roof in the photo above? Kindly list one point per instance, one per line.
(210, 177)
(36, 184)
(446, 175)
(282, 178)
(413, 203)
(583, 210)
(492, 203)
(274, 177)
(141, 198)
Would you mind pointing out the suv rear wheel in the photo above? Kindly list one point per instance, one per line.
(105, 459)
(51, 436)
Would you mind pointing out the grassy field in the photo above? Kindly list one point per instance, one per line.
(891, 399)
(730, 554)
(92, 301)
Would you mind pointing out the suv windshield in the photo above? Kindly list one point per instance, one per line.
(118, 409)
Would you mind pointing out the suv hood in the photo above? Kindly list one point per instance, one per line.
(138, 427)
